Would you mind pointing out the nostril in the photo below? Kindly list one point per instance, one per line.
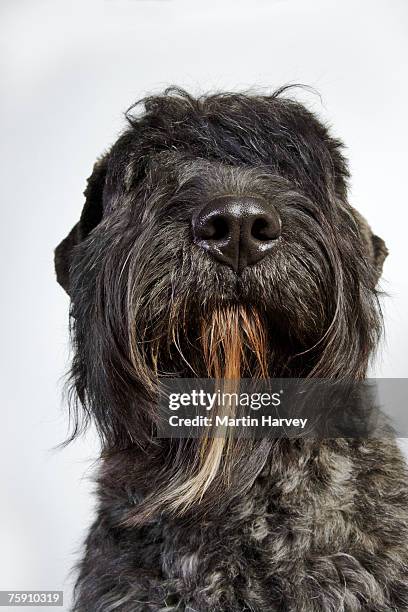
(221, 228)
(216, 228)
(259, 229)
(266, 228)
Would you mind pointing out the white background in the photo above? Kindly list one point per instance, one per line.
(68, 71)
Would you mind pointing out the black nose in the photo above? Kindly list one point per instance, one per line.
(237, 231)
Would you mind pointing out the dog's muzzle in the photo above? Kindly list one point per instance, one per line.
(237, 231)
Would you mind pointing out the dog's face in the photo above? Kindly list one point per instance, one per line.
(228, 210)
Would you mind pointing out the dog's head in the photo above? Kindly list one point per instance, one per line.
(216, 239)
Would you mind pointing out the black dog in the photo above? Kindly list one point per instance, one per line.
(217, 241)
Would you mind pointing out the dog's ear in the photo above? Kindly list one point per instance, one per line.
(91, 215)
(375, 246)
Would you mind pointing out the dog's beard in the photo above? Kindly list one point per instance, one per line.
(232, 344)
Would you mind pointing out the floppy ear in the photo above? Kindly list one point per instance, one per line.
(91, 215)
(377, 251)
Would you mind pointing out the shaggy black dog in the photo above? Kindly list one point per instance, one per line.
(216, 240)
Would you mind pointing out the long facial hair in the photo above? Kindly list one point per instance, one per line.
(130, 328)
(147, 308)
(233, 345)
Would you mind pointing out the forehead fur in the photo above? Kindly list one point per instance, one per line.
(270, 132)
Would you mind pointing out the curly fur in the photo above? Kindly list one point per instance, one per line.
(296, 525)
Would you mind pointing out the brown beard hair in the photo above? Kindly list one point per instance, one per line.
(234, 345)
